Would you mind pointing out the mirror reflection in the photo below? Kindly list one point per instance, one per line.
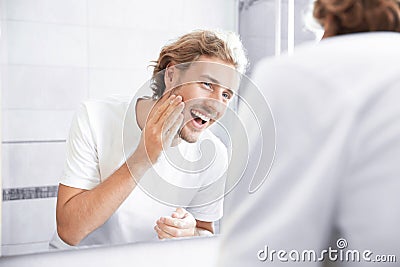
(115, 191)
(63, 54)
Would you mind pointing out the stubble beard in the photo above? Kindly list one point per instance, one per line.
(189, 135)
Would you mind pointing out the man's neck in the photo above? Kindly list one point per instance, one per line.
(142, 110)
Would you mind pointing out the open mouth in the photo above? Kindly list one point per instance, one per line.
(199, 117)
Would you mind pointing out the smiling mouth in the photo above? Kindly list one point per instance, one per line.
(200, 117)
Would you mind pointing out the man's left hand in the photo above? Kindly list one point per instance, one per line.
(180, 224)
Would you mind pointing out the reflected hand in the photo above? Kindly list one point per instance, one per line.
(180, 224)
(161, 127)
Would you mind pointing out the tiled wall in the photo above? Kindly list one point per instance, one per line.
(55, 54)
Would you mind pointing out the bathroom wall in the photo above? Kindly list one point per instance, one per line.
(257, 27)
(55, 54)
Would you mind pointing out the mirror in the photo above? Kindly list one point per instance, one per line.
(56, 54)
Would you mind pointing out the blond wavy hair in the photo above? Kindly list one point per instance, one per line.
(351, 16)
(189, 47)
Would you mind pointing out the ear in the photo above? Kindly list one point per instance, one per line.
(169, 76)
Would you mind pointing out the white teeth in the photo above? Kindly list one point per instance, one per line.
(200, 115)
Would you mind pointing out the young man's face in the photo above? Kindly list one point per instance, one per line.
(206, 89)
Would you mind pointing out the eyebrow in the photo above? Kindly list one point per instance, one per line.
(213, 80)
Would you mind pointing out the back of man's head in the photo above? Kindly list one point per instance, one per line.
(352, 16)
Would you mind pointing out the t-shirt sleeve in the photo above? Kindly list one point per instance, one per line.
(81, 168)
(212, 211)
(207, 205)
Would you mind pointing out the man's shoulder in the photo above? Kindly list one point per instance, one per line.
(111, 107)
(114, 103)
(359, 49)
(106, 113)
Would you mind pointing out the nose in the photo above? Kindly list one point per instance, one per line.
(217, 102)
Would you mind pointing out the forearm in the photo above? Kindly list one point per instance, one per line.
(82, 213)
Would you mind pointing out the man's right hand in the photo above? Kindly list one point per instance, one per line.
(162, 125)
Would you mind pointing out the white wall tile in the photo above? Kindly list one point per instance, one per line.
(156, 15)
(151, 43)
(3, 43)
(26, 221)
(114, 48)
(22, 125)
(209, 14)
(105, 82)
(25, 248)
(54, 11)
(107, 12)
(124, 48)
(35, 87)
(46, 44)
(152, 15)
(32, 164)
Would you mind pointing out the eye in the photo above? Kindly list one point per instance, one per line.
(226, 95)
(207, 85)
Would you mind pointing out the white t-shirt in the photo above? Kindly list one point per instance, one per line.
(336, 172)
(99, 141)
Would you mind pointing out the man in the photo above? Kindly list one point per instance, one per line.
(332, 193)
(117, 177)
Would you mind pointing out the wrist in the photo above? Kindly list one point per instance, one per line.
(138, 164)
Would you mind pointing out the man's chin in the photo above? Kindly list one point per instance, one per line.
(189, 137)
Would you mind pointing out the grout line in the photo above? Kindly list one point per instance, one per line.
(26, 243)
(134, 68)
(22, 193)
(44, 66)
(113, 27)
(33, 141)
(43, 22)
(38, 109)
